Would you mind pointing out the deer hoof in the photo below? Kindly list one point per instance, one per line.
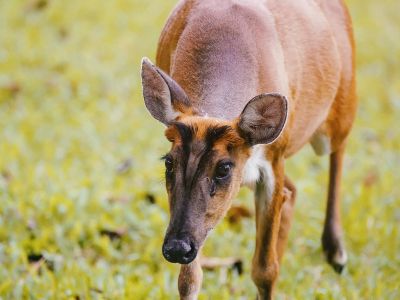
(335, 254)
(339, 260)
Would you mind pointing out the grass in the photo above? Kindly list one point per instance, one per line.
(83, 207)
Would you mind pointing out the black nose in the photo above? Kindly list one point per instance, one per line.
(179, 251)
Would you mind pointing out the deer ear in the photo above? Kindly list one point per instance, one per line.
(163, 97)
(263, 118)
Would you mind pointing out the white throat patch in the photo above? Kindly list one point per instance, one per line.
(258, 168)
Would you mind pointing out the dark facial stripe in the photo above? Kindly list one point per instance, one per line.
(203, 152)
(197, 154)
(186, 132)
(214, 133)
(194, 156)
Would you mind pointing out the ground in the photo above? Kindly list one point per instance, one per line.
(83, 207)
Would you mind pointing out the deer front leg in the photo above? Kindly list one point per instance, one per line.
(265, 265)
(190, 278)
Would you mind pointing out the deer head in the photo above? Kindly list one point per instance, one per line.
(204, 167)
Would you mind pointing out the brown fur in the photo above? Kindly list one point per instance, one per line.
(224, 52)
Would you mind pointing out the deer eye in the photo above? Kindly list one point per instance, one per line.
(169, 165)
(223, 170)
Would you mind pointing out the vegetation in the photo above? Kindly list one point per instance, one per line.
(83, 208)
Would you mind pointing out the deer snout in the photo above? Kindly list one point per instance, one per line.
(182, 251)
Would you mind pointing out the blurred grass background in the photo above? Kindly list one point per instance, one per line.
(83, 208)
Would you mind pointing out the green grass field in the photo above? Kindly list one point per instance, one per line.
(83, 208)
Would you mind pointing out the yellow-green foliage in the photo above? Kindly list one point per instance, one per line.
(71, 113)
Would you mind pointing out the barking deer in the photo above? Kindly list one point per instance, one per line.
(241, 86)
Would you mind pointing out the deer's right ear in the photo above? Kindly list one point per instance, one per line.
(163, 97)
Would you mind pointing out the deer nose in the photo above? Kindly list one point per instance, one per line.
(179, 251)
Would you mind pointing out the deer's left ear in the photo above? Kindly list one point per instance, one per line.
(263, 118)
(163, 97)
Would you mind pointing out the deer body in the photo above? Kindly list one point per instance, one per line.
(220, 54)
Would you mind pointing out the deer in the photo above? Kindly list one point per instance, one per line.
(241, 86)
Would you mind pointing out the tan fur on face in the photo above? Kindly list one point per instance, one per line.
(202, 124)
(228, 146)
